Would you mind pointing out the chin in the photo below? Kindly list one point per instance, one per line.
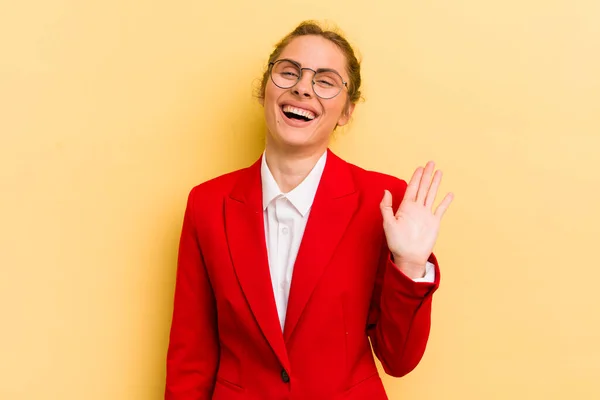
(294, 138)
(289, 133)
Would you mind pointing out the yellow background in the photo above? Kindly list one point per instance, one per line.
(110, 111)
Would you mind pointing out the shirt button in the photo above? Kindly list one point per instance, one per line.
(284, 376)
(285, 230)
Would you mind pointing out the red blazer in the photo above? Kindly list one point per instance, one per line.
(226, 342)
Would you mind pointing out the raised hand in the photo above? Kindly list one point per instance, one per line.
(411, 233)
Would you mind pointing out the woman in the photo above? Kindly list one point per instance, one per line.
(288, 267)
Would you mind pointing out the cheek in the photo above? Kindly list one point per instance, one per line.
(335, 110)
(272, 116)
(272, 92)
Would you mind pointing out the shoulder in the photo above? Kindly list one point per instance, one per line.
(371, 184)
(215, 189)
(368, 180)
(220, 184)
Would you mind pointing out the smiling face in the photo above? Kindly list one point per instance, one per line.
(297, 119)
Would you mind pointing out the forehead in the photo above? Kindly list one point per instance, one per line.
(316, 52)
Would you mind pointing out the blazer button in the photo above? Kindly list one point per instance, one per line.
(284, 376)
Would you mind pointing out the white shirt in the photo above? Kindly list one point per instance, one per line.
(285, 216)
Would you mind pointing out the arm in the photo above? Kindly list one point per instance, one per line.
(399, 317)
(193, 354)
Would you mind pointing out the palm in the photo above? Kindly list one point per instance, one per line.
(411, 233)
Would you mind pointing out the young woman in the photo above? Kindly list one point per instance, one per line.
(288, 267)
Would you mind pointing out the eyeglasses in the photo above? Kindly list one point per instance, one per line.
(326, 83)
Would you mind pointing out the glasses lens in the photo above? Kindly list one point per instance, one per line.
(327, 84)
(285, 74)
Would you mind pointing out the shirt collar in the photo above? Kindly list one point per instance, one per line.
(302, 196)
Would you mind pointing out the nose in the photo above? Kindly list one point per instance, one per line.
(303, 88)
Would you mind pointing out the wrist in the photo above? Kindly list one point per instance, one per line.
(412, 269)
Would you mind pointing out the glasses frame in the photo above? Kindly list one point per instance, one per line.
(297, 64)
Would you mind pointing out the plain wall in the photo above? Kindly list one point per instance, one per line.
(110, 111)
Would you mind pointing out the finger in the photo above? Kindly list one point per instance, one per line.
(425, 182)
(386, 207)
(441, 209)
(413, 185)
(432, 194)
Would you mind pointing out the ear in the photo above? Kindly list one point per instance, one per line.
(345, 117)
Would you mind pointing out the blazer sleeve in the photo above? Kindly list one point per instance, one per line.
(400, 314)
(193, 352)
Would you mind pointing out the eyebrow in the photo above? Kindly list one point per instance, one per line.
(318, 70)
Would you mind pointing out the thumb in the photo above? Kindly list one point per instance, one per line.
(386, 206)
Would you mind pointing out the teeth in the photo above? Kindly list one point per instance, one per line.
(298, 111)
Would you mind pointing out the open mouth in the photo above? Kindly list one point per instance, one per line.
(298, 114)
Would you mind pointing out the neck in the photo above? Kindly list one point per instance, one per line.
(289, 169)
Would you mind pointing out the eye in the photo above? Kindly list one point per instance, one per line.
(325, 82)
(290, 74)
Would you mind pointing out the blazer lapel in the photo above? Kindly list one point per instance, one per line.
(244, 225)
(334, 205)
